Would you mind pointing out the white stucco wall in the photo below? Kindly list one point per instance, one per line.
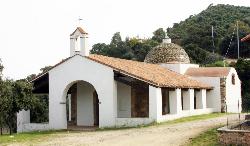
(85, 105)
(76, 69)
(233, 92)
(213, 98)
(123, 100)
(179, 67)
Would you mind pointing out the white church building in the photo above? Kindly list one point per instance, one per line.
(88, 90)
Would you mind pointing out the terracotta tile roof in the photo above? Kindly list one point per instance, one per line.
(151, 73)
(246, 38)
(208, 71)
(81, 31)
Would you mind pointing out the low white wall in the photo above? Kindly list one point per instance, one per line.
(186, 113)
(123, 100)
(132, 122)
(35, 127)
(23, 117)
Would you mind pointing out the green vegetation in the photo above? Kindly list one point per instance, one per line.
(28, 137)
(243, 69)
(14, 96)
(197, 29)
(194, 118)
(218, 64)
(208, 138)
(194, 35)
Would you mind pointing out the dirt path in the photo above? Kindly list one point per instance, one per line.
(169, 134)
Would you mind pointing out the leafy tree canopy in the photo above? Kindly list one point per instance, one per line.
(159, 35)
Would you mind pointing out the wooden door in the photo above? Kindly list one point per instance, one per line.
(96, 108)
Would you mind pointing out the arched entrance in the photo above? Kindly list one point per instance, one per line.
(82, 105)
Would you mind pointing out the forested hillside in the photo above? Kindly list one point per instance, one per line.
(194, 34)
(197, 30)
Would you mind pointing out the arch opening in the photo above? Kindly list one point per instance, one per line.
(82, 105)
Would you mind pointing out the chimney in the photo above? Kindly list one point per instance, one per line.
(166, 39)
(78, 42)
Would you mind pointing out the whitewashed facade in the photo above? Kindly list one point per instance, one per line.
(115, 102)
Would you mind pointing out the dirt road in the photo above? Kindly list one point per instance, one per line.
(168, 134)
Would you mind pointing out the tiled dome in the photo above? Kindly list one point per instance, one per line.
(167, 53)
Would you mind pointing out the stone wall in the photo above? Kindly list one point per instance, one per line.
(233, 137)
(223, 94)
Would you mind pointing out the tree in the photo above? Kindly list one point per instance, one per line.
(39, 112)
(243, 69)
(45, 69)
(15, 96)
(31, 77)
(116, 39)
(197, 29)
(218, 64)
(1, 90)
(200, 56)
(99, 48)
(1, 69)
(232, 52)
(159, 35)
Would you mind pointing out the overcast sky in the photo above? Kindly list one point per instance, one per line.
(35, 33)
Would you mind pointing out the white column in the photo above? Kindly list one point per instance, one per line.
(175, 101)
(201, 99)
(188, 99)
(23, 117)
(155, 103)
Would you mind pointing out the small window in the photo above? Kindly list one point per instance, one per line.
(233, 79)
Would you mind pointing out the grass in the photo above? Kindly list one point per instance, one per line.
(193, 118)
(28, 136)
(40, 136)
(208, 138)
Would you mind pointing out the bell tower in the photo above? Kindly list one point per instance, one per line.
(78, 42)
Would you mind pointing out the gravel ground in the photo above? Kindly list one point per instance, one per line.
(168, 134)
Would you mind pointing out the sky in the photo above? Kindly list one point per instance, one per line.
(35, 33)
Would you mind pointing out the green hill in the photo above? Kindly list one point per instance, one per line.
(196, 30)
(193, 34)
